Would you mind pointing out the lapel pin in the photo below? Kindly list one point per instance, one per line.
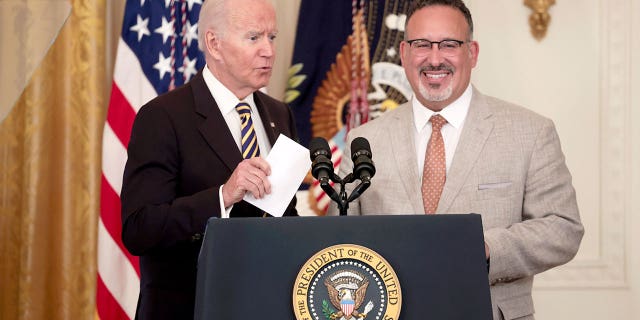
(273, 125)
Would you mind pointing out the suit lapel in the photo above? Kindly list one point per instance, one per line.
(214, 128)
(404, 152)
(267, 122)
(477, 128)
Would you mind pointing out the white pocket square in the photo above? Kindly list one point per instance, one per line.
(496, 185)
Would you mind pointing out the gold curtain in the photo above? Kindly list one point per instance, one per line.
(50, 147)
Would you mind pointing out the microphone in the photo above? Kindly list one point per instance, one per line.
(322, 167)
(363, 167)
(320, 154)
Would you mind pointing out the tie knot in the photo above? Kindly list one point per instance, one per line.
(437, 121)
(243, 108)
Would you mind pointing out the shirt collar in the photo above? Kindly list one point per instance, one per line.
(455, 113)
(225, 99)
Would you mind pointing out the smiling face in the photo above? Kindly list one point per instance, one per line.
(438, 79)
(242, 53)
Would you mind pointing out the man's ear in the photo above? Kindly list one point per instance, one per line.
(403, 51)
(212, 44)
(474, 51)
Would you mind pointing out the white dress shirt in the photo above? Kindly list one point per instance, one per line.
(455, 114)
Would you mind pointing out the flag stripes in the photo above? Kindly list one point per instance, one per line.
(146, 65)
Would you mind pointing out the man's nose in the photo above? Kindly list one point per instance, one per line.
(267, 48)
(435, 56)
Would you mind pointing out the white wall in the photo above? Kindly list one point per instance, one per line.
(581, 75)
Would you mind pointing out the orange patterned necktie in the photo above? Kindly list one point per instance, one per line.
(249, 141)
(435, 166)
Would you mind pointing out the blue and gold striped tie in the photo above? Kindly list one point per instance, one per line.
(249, 140)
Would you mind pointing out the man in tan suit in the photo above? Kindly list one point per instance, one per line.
(499, 160)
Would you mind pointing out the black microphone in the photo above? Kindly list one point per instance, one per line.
(363, 167)
(321, 166)
(320, 154)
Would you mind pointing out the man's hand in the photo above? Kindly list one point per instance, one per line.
(249, 176)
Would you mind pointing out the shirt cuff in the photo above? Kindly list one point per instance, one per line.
(224, 212)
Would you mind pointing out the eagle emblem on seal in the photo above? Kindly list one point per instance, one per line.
(347, 291)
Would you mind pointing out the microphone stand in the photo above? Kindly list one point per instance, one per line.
(328, 189)
(343, 204)
(341, 198)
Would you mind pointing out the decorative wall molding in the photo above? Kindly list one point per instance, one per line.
(609, 269)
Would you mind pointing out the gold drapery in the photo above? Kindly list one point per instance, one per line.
(50, 147)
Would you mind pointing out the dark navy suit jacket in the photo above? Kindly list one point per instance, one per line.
(180, 152)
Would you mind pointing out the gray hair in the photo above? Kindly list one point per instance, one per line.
(212, 17)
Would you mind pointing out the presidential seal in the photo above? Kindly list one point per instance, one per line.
(347, 282)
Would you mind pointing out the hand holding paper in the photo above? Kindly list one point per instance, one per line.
(289, 163)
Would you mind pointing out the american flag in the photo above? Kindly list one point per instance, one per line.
(157, 51)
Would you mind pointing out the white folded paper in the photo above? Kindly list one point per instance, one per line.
(289, 163)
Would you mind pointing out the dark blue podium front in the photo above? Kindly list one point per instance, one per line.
(248, 266)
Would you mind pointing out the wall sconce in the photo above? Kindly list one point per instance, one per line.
(539, 18)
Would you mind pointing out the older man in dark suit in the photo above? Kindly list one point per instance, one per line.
(196, 151)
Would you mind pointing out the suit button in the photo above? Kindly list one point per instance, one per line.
(196, 237)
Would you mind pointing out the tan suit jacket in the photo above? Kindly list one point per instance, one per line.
(508, 167)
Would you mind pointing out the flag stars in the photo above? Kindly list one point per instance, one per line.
(188, 68)
(166, 30)
(192, 32)
(163, 65)
(391, 52)
(141, 27)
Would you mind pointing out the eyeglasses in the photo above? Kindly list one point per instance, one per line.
(447, 47)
